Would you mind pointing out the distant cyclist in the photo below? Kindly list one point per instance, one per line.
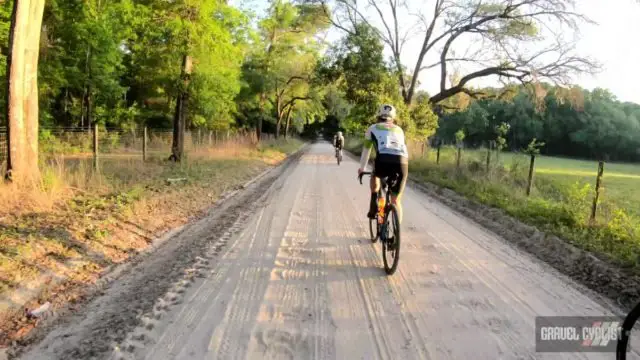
(338, 142)
(392, 157)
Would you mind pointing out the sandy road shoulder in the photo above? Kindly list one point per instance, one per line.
(131, 295)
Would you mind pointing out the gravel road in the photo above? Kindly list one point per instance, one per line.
(285, 270)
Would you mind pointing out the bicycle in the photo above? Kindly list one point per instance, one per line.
(339, 155)
(386, 215)
(627, 326)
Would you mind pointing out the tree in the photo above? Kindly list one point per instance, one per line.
(356, 66)
(285, 59)
(22, 90)
(188, 52)
(513, 40)
(425, 121)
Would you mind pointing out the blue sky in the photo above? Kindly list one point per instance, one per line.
(612, 42)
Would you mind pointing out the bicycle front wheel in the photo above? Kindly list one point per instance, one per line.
(391, 242)
(627, 326)
(373, 229)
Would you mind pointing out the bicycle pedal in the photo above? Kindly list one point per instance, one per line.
(391, 244)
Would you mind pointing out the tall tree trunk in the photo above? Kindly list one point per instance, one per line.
(22, 90)
(15, 71)
(84, 113)
(89, 106)
(278, 125)
(32, 52)
(177, 148)
(286, 129)
(263, 99)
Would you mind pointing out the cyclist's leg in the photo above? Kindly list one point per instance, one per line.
(374, 185)
(398, 189)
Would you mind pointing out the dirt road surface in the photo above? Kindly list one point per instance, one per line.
(297, 278)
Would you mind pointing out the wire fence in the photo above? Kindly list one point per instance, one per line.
(142, 142)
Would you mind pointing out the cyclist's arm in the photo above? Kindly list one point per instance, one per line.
(366, 150)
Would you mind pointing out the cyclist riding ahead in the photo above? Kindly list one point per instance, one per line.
(338, 142)
(392, 157)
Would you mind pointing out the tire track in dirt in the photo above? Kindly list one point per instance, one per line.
(95, 330)
(299, 278)
(169, 338)
(414, 337)
(291, 321)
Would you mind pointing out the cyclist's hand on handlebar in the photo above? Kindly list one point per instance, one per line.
(360, 171)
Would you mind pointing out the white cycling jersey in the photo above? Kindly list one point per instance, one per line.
(336, 137)
(387, 138)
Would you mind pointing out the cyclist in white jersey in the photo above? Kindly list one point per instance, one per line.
(338, 141)
(392, 157)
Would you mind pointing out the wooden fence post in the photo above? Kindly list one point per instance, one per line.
(95, 147)
(597, 196)
(438, 154)
(488, 155)
(530, 179)
(144, 144)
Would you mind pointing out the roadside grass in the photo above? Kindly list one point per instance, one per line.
(78, 222)
(560, 201)
(620, 183)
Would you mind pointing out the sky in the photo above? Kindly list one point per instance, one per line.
(612, 42)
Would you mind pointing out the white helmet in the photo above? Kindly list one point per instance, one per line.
(339, 133)
(387, 112)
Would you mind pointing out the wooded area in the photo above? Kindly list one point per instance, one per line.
(207, 64)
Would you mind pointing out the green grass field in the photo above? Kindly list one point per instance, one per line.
(621, 182)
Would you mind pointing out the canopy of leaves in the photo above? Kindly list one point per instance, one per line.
(570, 122)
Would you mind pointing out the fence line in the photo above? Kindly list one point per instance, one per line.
(144, 142)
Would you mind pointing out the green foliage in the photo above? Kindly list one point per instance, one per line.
(501, 132)
(533, 148)
(278, 74)
(356, 67)
(570, 121)
(124, 57)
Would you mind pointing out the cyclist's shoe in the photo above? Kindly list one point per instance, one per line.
(373, 210)
(391, 243)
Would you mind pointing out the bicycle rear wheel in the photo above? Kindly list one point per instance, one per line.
(391, 241)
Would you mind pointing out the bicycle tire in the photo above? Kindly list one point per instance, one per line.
(391, 216)
(627, 326)
(373, 230)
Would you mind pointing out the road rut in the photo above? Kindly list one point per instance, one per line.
(297, 278)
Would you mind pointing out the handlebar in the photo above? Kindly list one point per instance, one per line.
(363, 174)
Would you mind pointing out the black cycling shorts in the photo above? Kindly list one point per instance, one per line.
(389, 166)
